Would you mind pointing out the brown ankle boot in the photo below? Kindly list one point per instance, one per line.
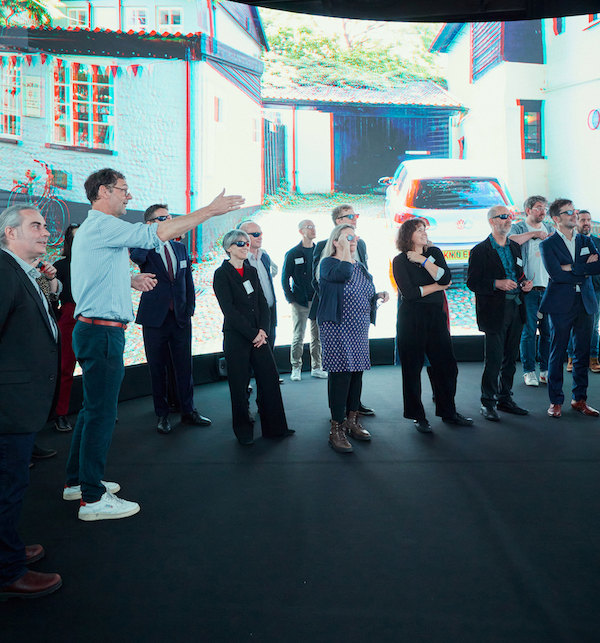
(594, 365)
(354, 427)
(337, 438)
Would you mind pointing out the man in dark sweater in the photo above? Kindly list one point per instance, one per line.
(296, 280)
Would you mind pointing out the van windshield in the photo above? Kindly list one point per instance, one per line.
(450, 194)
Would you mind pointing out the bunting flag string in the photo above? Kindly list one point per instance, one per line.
(44, 57)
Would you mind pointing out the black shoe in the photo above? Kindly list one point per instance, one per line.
(164, 426)
(423, 426)
(194, 418)
(246, 441)
(40, 453)
(489, 413)
(508, 406)
(249, 389)
(458, 420)
(62, 423)
(281, 380)
(365, 410)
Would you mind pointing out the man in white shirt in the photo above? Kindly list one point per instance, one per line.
(529, 233)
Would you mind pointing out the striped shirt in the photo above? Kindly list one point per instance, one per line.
(100, 275)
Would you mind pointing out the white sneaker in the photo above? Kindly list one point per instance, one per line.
(74, 493)
(543, 377)
(109, 507)
(530, 379)
(296, 375)
(319, 372)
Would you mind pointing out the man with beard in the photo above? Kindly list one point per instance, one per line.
(529, 233)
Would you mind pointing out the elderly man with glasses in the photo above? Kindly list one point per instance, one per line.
(296, 279)
(569, 300)
(529, 233)
(340, 214)
(101, 284)
(165, 315)
(496, 277)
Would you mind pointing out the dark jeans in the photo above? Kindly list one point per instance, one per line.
(15, 456)
(344, 393)
(528, 338)
(501, 351)
(99, 351)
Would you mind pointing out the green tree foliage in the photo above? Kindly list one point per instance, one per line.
(24, 13)
(347, 53)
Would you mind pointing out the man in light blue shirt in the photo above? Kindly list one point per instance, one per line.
(101, 285)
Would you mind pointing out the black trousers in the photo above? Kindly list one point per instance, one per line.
(344, 391)
(241, 356)
(423, 330)
(160, 344)
(501, 351)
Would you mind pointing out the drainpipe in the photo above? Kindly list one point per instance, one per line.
(196, 233)
(294, 148)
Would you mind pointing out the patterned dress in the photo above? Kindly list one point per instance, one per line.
(346, 345)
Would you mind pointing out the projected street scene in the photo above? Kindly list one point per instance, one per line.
(299, 114)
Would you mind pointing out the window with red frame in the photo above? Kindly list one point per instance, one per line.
(83, 105)
(10, 96)
(531, 129)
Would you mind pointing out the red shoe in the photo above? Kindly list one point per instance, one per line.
(554, 411)
(33, 553)
(31, 585)
(582, 407)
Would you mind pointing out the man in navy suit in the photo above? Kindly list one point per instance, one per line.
(165, 314)
(569, 300)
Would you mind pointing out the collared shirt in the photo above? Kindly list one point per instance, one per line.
(33, 273)
(507, 259)
(570, 247)
(100, 276)
(263, 277)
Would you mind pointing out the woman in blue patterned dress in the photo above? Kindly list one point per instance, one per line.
(346, 308)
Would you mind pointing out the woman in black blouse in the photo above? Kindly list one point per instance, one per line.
(66, 323)
(422, 276)
(246, 316)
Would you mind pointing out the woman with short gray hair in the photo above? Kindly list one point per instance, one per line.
(246, 316)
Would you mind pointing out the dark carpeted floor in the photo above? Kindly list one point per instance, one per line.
(469, 535)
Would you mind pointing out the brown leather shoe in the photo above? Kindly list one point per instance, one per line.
(594, 365)
(33, 553)
(354, 428)
(569, 364)
(554, 411)
(337, 438)
(582, 407)
(31, 585)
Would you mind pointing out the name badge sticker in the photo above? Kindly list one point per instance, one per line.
(248, 287)
(585, 251)
(299, 260)
(183, 263)
(519, 262)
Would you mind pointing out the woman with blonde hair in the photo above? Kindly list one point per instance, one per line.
(346, 308)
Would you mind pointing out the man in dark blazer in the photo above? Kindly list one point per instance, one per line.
(496, 277)
(569, 300)
(340, 214)
(165, 314)
(29, 365)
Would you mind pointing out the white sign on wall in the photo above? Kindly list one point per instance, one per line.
(32, 96)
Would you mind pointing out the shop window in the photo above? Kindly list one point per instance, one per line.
(531, 129)
(10, 96)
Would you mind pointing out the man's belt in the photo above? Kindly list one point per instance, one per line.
(539, 288)
(101, 322)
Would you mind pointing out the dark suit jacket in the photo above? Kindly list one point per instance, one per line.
(154, 305)
(485, 267)
(244, 312)
(29, 355)
(264, 257)
(560, 293)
